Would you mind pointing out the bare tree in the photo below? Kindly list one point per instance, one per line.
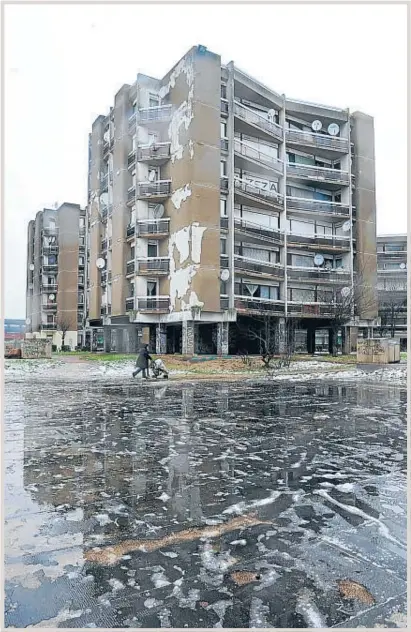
(393, 304)
(64, 325)
(265, 330)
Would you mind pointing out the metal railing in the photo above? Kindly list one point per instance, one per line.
(50, 307)
(251, 117)
(316, 140)
(153, 304)
(130, 267)
(160, 188)
(245, 264)
(49, 231)
(399, 271)
(50, 250)
(157, 265)
(310, 309)
(158, 151)
(130, 304)
(49, 287)
(318, 206)
(131, 194)
(131, 230)
(272, 197)
(224, 261)
(151, 228)
(48, 326)
(317, 173)
(252, 303)
(337, 243)
(153, 114)
(242, 149)
(49, 267)
(258, 231)
(320, 275)
(392, 253)
(224, 303)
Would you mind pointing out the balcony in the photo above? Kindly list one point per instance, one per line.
(224, 223)
(130, 304)
(50, 267)
(317, 174)
(153, 228)
(49, 231)
(159, 190)
(107, 146)
(224, 184)
(49, 326)
(392, 254)
(256, 232)
(331, 209)
(104, 213)
(248, 266)
(246, 304)
(158, 266)
(258, 195)
(49, 287)
(257, 121)
(156, 114)
(224, 303)
(153, 304)
(131, 159)
(401, 272)
(310, 309)
(130, 268)
(104, 245)
(49, 307)
(224, 261)
(132, 122)
(224, 106)
(224, 144)
(131, 196)
(328, 243)
(248, 154)
(318, 141)
(157, 153)
(313, 275)
(50, 250)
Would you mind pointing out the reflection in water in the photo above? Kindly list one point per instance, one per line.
(117, 465)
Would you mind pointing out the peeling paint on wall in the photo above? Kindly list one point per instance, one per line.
(182, 243)
(180, 195)
(182, 116)
(197, 232)
(181, 278)
(193, 301)
(191, 148)
(184, 66)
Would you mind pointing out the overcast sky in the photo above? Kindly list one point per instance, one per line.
(64, 64)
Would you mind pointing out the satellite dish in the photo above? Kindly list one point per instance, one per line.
(100, 263)
(318, 260)
(316, 125)
(403, 266)
(225, 274)
(31, 266)
(333, 129)
(345, 291)
(52, 297)
(28, 321)
(346, 226)
(271, 115)
(158, 211)
(104, 199)
(152, 175)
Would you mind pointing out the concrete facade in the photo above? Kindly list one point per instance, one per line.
(56, 275)
(210, 196)
(392, 285)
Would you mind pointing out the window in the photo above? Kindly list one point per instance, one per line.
(152, 249)
(81, 241)
(152, 288)
(223, 92)
(50, 319)
(223, 168)
(339, 263)
(81, 261)
(132, 253)
(394, 247)
(153, 101)
(223, 287)
(223, 129)
(82, 222)
(223, 208)
(223, 246)
(268, 292)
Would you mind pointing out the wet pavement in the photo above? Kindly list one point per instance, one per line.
(204, 505)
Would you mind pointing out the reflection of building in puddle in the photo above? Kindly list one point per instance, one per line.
(187, 403)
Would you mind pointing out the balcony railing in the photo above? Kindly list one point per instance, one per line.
(317, 174)
(50, 307)
(49, 326)
(224, 223)
(399, 271)
(258, 231)
(224, 303)
(318, 275)
(47, 230)
(316, 140)
(257, 120)
(130, 268)
(131, 195)
(49, 267)
(224, 261)
(153, 228)
(131, 158)
(104, 245)
(224, 184)
(318, 206)
(160, 113)
(156, 265)
(245, 264)
(310, 309)
(49, 287)
(153, 153)
(50, 250)
(224, 106)
(392, 253)
(131, 230)
(153, 304)
(322, 241)
(252, 304)
(258, 192)
(158, 189)
(130, 304)
(242, 149)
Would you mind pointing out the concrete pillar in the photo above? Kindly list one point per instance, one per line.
(188, 337)
(107, 339)
(161, 339)
(281, 336)
(331, 340)
(311, 340)
(349, 339)
(113, 339)
(222, 338)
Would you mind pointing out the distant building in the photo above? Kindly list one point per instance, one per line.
(56, 274)
(392, 286)
(14, 329)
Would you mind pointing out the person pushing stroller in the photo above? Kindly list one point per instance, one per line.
(159, 368)
(142, 362)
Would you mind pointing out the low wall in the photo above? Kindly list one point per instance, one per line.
(378, 351)
(36, 348)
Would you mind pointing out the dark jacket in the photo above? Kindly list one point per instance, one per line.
(143, 358)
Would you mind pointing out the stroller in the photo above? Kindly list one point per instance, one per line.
(159, 368)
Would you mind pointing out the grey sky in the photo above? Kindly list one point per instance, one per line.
(63, 65)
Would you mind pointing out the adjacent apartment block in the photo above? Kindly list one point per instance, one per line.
(56, 275)
(214, 199)
(392, 286)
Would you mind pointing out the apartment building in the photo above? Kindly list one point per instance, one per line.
(214, 199)
(56, 260)
(392, 286)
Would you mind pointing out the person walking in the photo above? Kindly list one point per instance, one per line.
(142, 362)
